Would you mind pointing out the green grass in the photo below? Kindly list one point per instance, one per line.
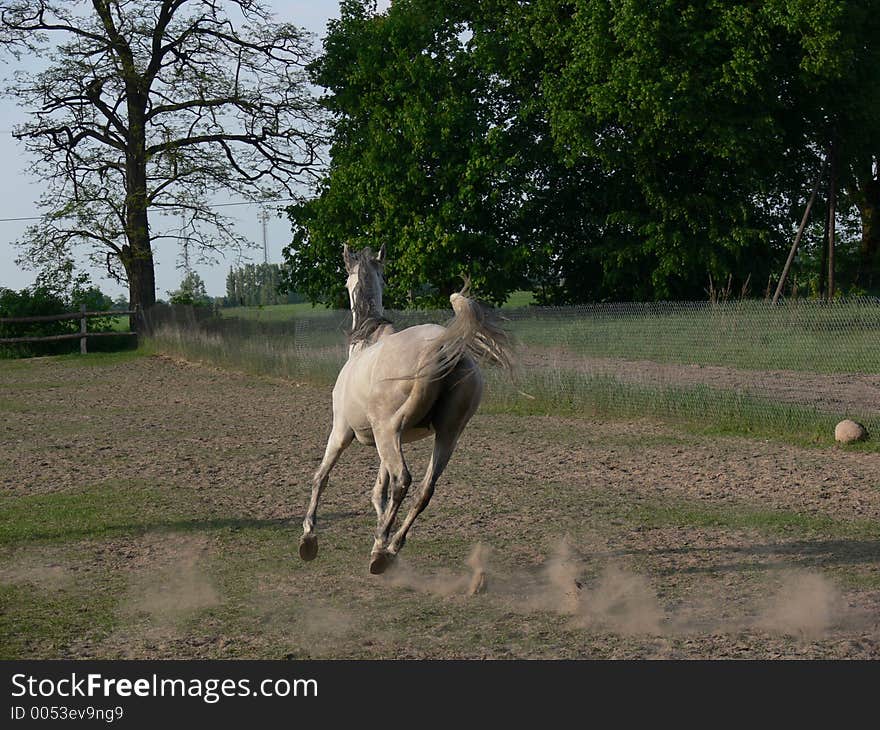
(282, 312)
(101, 510)
(23, 375)
(120, 324)
(14, 405)
(102, 359)
(699, 407)
(32, 617)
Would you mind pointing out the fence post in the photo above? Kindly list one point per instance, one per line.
(82, 329)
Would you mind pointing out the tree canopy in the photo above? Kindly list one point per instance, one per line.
(256, 285)
(590, 150)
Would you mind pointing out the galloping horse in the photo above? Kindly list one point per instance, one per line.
(398, 387)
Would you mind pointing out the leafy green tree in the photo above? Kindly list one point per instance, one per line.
(412, 162)
(590, 150)
(94, 299)
(556, 206)
(255, 285)
(720, 113)
(191, 292)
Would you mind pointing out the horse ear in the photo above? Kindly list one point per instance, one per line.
(381, 257)
(348, 258)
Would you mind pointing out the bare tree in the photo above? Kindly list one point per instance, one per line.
(153, 106)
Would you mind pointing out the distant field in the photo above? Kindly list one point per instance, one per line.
(519, 299)
(280, 312)
(276, 312)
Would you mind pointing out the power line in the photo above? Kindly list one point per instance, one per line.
(215, 205)
(255, 202)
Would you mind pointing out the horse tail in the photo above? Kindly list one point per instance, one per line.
(475, 330)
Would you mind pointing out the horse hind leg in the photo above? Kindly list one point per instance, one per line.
(389, 448)
(444, 445)
(380, 491)
(336, 444)
(458, 405)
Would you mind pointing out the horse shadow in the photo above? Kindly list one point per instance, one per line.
(828, 553)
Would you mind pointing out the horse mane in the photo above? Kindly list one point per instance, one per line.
(369, 315)
(367, 328)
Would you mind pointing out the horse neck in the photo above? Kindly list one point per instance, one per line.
(362, 314)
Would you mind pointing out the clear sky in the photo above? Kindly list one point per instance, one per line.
(19, 192)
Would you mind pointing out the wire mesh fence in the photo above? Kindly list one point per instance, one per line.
(746, 365)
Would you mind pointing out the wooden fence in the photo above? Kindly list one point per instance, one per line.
(82, 335)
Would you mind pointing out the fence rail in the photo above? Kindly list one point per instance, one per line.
(68, 315)
(83, 316)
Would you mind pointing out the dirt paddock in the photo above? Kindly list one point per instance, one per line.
(151, 508)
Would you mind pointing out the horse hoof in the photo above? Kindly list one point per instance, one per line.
(308, 547)
(380, 561)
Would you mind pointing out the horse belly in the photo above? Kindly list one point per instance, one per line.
(416, 434)
(365, 436)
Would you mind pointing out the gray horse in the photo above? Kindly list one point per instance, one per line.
(398, 387)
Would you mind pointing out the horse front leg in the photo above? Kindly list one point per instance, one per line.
(339, 440)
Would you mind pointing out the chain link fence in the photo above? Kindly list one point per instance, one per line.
(742, 365)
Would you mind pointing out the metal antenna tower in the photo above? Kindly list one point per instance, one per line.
(185, 237)
(264, 220)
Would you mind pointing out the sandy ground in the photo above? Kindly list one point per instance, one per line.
(597, 539)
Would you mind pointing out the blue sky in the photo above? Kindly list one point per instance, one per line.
(19, 192)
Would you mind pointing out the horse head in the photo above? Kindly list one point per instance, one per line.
(365, 281)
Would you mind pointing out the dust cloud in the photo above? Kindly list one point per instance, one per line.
(806, 605)
(444, 583)
(36, 569)
(176, 585)
(619, 600)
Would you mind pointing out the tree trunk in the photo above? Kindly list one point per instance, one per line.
(869, 250)
(138, 253)
(139, 268)
(832, 201)
(823, 261)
